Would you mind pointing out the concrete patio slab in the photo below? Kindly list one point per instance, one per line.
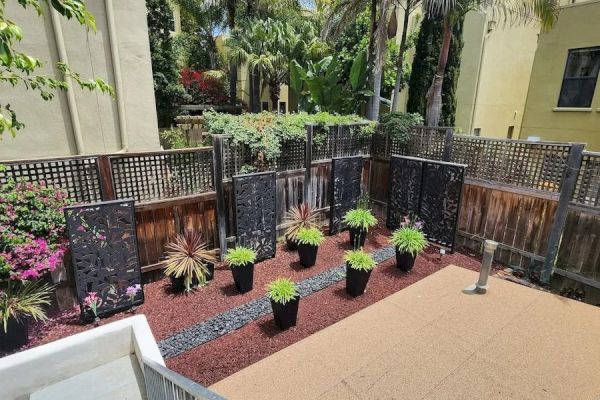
(431, 341)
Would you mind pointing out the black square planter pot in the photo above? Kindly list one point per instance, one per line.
(243, 276)
(357, 237)
(356, 281)
(405, 261)
(178, 284)
(285, 315)
(211, 271)
(291, 244)
(15, 336)
(307, 254)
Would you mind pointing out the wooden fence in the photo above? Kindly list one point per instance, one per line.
(522, 194)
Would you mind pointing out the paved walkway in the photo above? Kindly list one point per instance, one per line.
(431, 341)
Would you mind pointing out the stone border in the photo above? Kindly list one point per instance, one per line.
(240, 316)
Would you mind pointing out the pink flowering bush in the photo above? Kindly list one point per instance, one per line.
(32, 230)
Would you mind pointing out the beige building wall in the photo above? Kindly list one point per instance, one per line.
(578, 26)
(494, 76)
(49, 127)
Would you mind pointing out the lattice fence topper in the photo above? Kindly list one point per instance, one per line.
(255, 212)
(105, 255)
(429, 189)
(346, 174)
(78, 176)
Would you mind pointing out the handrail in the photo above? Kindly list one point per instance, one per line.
(165, 384)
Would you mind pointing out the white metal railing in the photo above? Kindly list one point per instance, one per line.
(164, 384)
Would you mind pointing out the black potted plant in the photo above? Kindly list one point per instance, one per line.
(285, 299)
(358, 270)
(303, 216)
(359, 221)
(189, 262)
(241, 261)
(409, 242)
(309, 240)
(20, 302)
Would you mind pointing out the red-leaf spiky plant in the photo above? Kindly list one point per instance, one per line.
(303, 216)
(187, 257)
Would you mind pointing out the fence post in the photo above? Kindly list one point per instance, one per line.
(107, 187)
(306, 193)
(218, 181)
(448, 139)
(566, 194)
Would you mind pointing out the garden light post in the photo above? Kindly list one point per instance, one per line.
(481, 287)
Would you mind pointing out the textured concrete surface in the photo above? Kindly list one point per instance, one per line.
(431, 341)
(119, 379)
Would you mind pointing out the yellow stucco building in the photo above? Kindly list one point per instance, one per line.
(563, 101)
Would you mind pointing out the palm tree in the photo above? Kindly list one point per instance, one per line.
(513, 11)
(267, 47)
(409, 6)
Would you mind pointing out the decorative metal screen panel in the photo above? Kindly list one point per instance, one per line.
(78, 176)
(162, 175)
(441, 190)
(104, 254)
(405, 189)
(430, 190)
(255, 208)
(346, 174)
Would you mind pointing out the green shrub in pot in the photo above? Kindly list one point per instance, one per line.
(359, 265)
(409, 242)
(285, 299)
(359, 221)
(309, 240)
(241, 261)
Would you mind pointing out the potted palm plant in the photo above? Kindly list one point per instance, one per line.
(358, 270)
(303, 216)
(189, 262)
(20, 302)
(241, 261)
(285, 299)
(309, 240)
(409, 242)
(359, 221)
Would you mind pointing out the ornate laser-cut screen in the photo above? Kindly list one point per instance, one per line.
(346, 174)
(104, 254)
(255, 208)
(429, 189)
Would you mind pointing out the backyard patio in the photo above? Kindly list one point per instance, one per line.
(431, 341)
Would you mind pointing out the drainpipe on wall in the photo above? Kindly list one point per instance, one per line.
(116, 62)
(490, 27)
(71, 103)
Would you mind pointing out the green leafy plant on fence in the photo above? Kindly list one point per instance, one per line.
(397, 125)
(265, 133)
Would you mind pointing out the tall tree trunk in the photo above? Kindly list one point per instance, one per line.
(380, 52)
(434, 94)
(274, 93)
(254, 90)
(400, 65)
(371, 50)
(232, 66)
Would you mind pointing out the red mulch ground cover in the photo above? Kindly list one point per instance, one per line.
(168, 313)
(222, 357)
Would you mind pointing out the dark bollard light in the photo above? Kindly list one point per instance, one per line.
(481, 287)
